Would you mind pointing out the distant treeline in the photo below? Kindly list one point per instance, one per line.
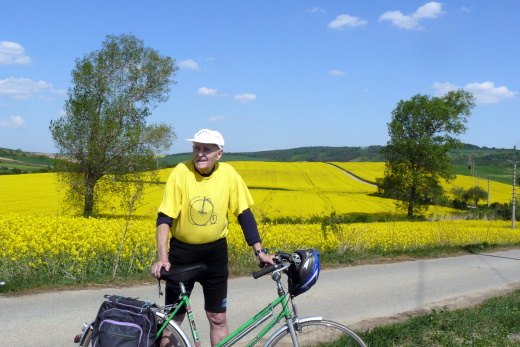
(468, 154)
(302, 154)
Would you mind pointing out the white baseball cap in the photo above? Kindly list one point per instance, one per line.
(208, 136)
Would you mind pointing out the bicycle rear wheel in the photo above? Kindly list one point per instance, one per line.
(318, 333)
(175, 338)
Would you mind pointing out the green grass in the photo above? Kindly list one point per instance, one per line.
(26, 162)
(499, 173)
(496, 322)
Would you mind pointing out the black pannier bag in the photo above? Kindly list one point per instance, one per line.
(124, 322)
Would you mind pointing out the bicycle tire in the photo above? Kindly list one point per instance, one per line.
(177, 336)
(317, 332)
(87, 338)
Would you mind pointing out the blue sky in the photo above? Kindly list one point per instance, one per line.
(272, 74)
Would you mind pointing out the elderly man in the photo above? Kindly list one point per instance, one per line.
(194, 208)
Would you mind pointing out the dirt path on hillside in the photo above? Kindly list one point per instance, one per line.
(352, 176)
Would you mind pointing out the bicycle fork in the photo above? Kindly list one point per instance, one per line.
(291, 322)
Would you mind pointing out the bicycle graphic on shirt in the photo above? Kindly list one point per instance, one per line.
(202, 211)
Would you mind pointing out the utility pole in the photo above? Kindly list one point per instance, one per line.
(489, 189)
(513, 215)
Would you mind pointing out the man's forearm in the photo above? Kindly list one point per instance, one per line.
(163, 231)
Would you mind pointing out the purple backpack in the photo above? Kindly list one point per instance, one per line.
(124, 322)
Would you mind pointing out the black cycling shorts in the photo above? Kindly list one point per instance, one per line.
(214, 281)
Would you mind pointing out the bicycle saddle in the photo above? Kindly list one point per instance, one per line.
(182, 273)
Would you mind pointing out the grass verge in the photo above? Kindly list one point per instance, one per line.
(496, 322)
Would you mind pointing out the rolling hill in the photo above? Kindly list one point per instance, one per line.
(470, 160)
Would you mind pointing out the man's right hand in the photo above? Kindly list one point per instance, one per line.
(156, 268)
(161, 237)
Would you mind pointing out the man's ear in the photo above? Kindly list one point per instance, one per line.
(219, 154)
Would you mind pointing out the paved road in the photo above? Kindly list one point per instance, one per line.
(356, 296)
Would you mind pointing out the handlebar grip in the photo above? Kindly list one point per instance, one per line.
(264, 271)
(284, 255)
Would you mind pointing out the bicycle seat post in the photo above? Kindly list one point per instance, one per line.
(183, 288)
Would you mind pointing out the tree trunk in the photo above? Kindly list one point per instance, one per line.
(88, 208)
(411, 202)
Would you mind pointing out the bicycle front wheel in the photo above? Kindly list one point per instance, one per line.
(317, 333)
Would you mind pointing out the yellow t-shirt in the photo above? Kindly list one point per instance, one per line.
(199, 205)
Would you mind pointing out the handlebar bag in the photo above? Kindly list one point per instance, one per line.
(124, 322)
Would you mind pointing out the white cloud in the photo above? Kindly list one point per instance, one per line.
(216, 119)
(13, 53)
(346, 20)
(485, 92)
(189, 65)
(316, 9)
(336, 73)
(207, 91)
(443, 88)
(12, 122)
(245, 97)
(410, 22)
(25, 88)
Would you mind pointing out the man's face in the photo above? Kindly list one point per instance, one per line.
(205, 155)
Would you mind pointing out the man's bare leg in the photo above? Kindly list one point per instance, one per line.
(218, 328)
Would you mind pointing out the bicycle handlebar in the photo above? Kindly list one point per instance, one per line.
(282, 261)
(264, 271)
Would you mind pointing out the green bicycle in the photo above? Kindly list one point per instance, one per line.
(302, 269)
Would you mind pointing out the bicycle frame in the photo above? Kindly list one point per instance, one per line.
(244, 329)
(311, 329)
(258, 319)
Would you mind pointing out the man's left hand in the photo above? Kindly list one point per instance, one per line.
(266, 258)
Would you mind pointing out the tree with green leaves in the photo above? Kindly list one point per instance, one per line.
(104, 134)
(422, 132)
(475, 194)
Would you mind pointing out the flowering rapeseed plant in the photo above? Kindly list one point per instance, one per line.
(38, 238)
(77, 248)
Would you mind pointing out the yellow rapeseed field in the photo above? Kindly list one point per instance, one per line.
(30, 193)
(71, 246)
(366, 171)
(499, 192)
(279, 189)
(38, 235)
(75, 247)
(306, 189)
(41, 194)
